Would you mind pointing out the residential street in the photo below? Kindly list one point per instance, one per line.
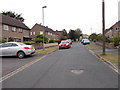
(75, 67)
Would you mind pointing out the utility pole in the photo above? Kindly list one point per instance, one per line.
(103, 25)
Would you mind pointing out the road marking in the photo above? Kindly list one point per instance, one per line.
(20, 69)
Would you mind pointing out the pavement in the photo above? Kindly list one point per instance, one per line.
(113, 50)
(66, 68)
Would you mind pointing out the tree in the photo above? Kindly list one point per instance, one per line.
(39, 39)
(93, 37)
(71, 35)
(64, 35)
(78, 33)
(64, 32)
(13, 15)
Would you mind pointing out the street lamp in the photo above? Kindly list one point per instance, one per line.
(103, 25)
(43, 24)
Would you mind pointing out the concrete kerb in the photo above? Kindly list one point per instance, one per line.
(106, 61)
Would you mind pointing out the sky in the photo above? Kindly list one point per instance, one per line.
(65, 14)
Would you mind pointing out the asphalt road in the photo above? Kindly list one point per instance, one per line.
(12, 63)
(67, 68)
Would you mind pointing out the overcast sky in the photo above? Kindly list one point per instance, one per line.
(65, 14)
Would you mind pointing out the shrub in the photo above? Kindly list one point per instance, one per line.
(29, 42)
(2, 40)
(116, 41)
(51, 40)
(39, 39)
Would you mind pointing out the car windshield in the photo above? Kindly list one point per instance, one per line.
(86, 40)
(22, 44)
(64, 41)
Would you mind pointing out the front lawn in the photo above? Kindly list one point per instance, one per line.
(47, 50)
(92, 47)
(113, 58)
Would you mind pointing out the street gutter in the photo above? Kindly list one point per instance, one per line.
(105, 61)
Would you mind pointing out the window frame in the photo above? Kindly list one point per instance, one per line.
(20, 30)
(5, 27)
(14, 29)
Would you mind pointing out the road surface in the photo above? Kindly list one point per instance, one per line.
(66, 68)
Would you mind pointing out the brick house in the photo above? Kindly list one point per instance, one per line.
(113, 31)
(15, 29)
(59, 34)
(38, 29)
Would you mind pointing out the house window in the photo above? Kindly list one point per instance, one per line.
(117, 29)
(14, 29)
(48, 33)
(30, 33)
(5, 27)
(34, 33)
(41, 32)
(20, 30)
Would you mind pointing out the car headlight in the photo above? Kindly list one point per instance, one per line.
(67, 44)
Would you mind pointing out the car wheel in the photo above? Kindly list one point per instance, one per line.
(21, 55)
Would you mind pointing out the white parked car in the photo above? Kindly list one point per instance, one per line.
(16, 49)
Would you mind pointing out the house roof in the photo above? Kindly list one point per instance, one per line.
(113, 26)
(13, 22)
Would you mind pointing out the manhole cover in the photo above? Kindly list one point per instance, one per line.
(77, 72)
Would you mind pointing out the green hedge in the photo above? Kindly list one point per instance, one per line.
(51, 40)
(29, 42)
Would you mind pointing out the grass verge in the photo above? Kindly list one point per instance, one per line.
(113, 58)
(92, 47)
(47, 50)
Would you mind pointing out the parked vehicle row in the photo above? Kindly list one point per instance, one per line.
(21, 50)
(16, 49)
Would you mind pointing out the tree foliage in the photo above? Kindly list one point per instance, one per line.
(78, 33)
(116, 41)
(39, 39)
(51, 40)
(75, 34)
(13, 15)
(64, 35)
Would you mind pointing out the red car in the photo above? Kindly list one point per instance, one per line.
(64, 44)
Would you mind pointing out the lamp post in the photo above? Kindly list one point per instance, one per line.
(43, 24)
(103, 25)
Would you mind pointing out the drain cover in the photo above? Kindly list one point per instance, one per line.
(77, 72)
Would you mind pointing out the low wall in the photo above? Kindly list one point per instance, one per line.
(40, 45)
(108, 45)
